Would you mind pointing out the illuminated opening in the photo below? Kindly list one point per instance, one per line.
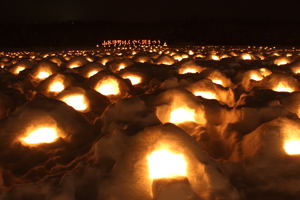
(191, 52)
(199, 56)
(289, 55)
(178, 58)
(265, 72)
(56, 86)
(121, 66)
(215, 57)
(181, 115)
(282, 61)
(217, 81)
(296, 70)
(292, 147)
(189, 70)
(92, 73)
(41, 135)
(224, 56)
(19, 69)
(167, 63)
(134, 79)
(108, 86)
(74, 66)
(206, 94)
(141, 61)
(184, 56)
(104, 62)
(89, 59)
(281, 87)
(246, 57)
(43, 75)
(78, 102)
(165, 164)
(256, 77)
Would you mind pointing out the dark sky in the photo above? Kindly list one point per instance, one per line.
(39, 11)
(61, 23)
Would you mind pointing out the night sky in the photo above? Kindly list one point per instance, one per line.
(50, 21)
(86, 10)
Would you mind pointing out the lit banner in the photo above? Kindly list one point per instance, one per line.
(108, 43)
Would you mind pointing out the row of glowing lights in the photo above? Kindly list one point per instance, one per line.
(43, 74)
(156, 46)
(177, 116)
(110, 86)
(181, 56)
(162, 163)
(244, 56)
(234, 51)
